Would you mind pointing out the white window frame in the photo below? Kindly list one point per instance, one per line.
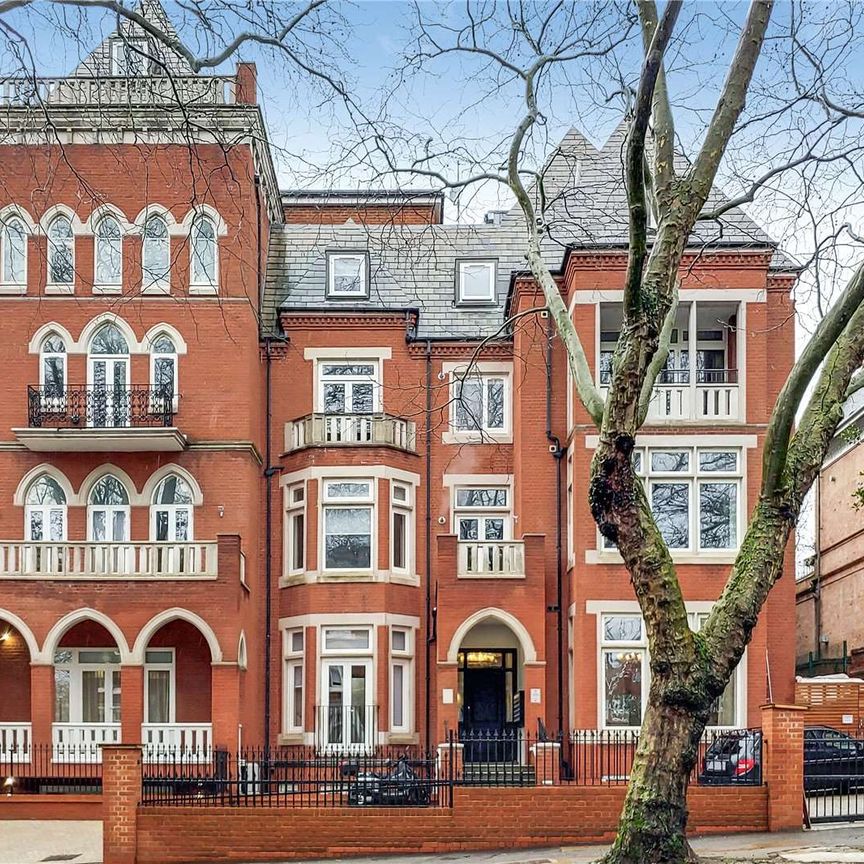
(484, 372)
(119, 68)
(13, 286)
(402, 658)
(404, 507)
(199, 283)
(604, 645)
(491, 268)
(293, 659)
(354, 502)
(165, 355)
(162, 283)
(349, 380)
(171, 510)
(503, 512)
(295, 510)
(45, 355)
(113, 286)
(76, 689)
(171, 668)
(45, 510)
(109, 510)
(695, 477)
(52, 287)
(363, 258)
(570, 501)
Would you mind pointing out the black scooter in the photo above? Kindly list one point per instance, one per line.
(398, 785)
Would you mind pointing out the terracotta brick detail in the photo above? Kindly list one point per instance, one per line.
(783, 764)
(121, 794)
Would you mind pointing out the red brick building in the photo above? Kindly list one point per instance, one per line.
(312, 463)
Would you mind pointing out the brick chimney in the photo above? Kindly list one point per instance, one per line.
(246, 89)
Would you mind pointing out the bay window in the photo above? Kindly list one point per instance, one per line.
(295, 529)
(348, 711)
(348, 508)
(401, 680)
(293, 680)
(401, 530)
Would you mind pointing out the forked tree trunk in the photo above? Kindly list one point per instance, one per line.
(653, 822)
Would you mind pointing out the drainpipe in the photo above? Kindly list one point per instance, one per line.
(557, 454)
(817, 567)
(269, 471)
(430, 637)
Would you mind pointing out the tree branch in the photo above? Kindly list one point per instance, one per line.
(658, 361)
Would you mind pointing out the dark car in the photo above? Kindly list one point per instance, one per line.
(833, 760)
(734, 757)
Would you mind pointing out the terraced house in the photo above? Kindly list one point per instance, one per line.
(307, 467)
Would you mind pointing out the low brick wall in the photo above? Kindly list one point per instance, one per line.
(481, 818)
(72, 807)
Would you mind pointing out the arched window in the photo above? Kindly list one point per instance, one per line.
(109, 255)
(203, 252)
(108, 511)
(163, 367)
(13, 253)
(108, 376)
(171, 511)
(156, 254)
(52, 366)
(61, 252)
(45, 510)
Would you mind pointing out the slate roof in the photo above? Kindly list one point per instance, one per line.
(413, 267)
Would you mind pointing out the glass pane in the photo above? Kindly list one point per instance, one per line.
(718, 460)
(107, 655)
(334, 398)
(156, 656)
(346, 639)
(495, 403)
(14, 252)
(99, 525)
(298, 541)
(348, 273)
(348, 540)
(115, 695)
(622, 628)
(163, 375)
(158, 696)
(108, 254)
(118, 521)
(400, 493)
(297, 641)
(60, 254)
(476, 282)
(468, 529)
(491, 497)
(173, 490)
(109, 491)
(358, 704)
(718, 504)
(52, 370)
(494, 529)
(468, 404)
(335, 700)
(109, 340)
(606, 367)
(37, 525)
(622, 680)
(398, 695)
(670, 460)
(297, 695)
(45, 490)
(361, 398)
(349, 490)
(204, 253)
(353, 370)
(93, 696)
(161, 518)
(723, 711)
(162, 344)
(670, 503)
(61, 695)
(56, 524)
(400, 640)
(156, 251)
(399, 531)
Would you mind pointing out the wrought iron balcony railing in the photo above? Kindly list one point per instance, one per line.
(106, 90)
(99, 407)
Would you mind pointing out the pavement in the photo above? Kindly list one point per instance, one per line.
(40, 842)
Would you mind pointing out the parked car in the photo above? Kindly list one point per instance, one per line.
(734, 757)
(833, 760)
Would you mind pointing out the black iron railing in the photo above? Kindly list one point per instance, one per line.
(99, 407)
(299, 777)
(50, 769)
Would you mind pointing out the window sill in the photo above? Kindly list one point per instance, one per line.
(451, 437)
(160, 288)
(59, 289)
(311, 577)
(107, 289)
(204, 290)
(403, 738)
(609, 556)
(292, 738)
(13, 288)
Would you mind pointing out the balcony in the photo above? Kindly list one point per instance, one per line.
(15, 740)
(497, 560)
(82, 742)
(350, 430)
(87, 560)
(104, 91)
(177, 743)
(714, 398)
(98, 419)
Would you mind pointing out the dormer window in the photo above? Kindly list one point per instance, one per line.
(348, 274)
(130, 57)
(475, 282)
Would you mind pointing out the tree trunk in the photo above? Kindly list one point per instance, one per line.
(654, 819)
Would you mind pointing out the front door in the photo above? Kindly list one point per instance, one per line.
(487, 728)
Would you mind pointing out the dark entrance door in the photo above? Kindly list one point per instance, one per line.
(487, 728)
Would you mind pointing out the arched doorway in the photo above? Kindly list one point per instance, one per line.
(15, 657)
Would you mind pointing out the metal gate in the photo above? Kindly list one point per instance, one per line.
(833, 775)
